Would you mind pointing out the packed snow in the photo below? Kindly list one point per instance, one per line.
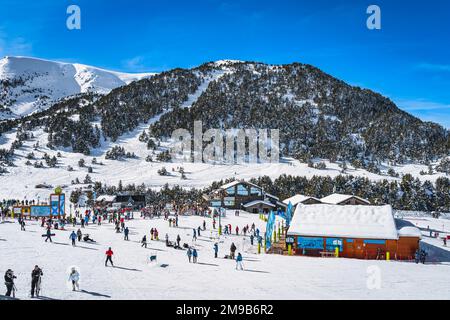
(173, 277)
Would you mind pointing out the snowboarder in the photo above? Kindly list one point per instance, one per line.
(239, 262)
(73, 237)
(48, 235)
(126, 232)
(9, 282)
(232, 250)
(144, 242)
(74, 277)
(109, 255)
(189, 254)
(79, 234)
(194, 255)
(216, 250)
(36, 275)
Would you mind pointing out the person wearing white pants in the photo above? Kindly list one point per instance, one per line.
(75, 278)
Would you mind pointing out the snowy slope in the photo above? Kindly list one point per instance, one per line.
(29, 84)
(268, 277)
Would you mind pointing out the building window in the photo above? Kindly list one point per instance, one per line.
(242, 190)
(230, 191)
(255, 191)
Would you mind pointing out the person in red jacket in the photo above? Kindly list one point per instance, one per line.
(109, 255)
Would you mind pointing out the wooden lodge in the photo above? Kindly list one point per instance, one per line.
(242, 195)
(345, 200)
(358, 231)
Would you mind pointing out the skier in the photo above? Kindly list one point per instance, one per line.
(189, 254)
(239, 262)
(252, 238)
(79, 235)
(126, 233)
(232, 250)
(109, 255)
(73, 237)
(423, 256)
(9, 282)
(216, 249)
(178, 241)
(74, 277)
(198, 231)
(22, 224)
(417, 256)
(194, 237)
(194, 255)
(204, 225)
(36, 275)
(49, 235)
(237, 230)
(144, 242)
(167, 240)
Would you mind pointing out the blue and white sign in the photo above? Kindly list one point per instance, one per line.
(333, 243)
(310, 243)
(40, 211)
(62, 203)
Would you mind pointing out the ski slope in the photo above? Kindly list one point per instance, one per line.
(270, 277)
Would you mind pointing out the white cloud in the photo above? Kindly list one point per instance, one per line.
(135, 64)
(422, 105)
(15, 46)
(434, 67)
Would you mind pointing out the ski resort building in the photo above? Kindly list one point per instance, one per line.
(301, 199)
(358, 231)
(242, 195)
(344, 200)
(132, 201)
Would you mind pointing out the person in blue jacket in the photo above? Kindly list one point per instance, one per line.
(194, 255)
(189, 254)
(73, 236)
(126, 232)
(239, 262)
(216, 249)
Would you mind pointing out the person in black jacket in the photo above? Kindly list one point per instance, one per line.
(36, 275)
(9, 282)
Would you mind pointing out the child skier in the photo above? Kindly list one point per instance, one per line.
(74, 277)
(73, 237)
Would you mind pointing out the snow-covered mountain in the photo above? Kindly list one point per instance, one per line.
(28, 84)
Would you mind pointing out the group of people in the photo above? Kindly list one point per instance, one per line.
(420, 256)
(11, 289)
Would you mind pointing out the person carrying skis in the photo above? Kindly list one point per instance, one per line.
(9, 283)
(79, 235)
(216, 249)
(232, 250)
(144, 242)
(109, 255)
(36, 275)
(194, 255)
(189, 254)
(239, 262)
(73, 237)
(49, 235)
(74, 277)
(126, 232)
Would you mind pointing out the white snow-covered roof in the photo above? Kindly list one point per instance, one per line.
(336, 198)
(298, 198)
(106, 198)
(410, 232)
(252, 203)
(233, 183)
(362, 222)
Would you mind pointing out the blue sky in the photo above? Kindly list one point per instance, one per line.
(407, 60)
